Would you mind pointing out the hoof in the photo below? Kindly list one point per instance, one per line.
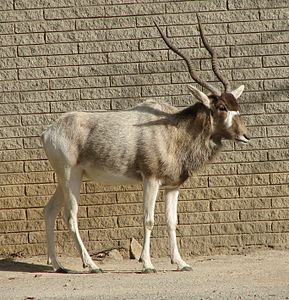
(186, 269)
(61, 271)
(149, 271)
(96, 271)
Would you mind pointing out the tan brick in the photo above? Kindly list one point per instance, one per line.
(269, 14)
(117, 69)
(133, 80)
(60, 95)
(134, 9)
(260, 73)
(31, 62)
(24, 4)
(25, 108)
(194, 230)
(282, 37)
(242, 156)
(279, 178)
(83, 105)
(11, 190)
(194, 206)
(75, 36)
(18, 16)
(274, 61)
(11, 132)
(226, 241)
(16, 214)
(7, 28)
(268, 239)
(280, 202)
(180, 42)
(219, 169)
(108, 47)
(37, 213)
(22, 226)
(23, 85)
(6, 4)
(241, 4)
(8, 74)
(38, 237)
(51, 49)
(10, 167)
(125, 103)
(209, 193)
(22, 154)
(257, 26)
(98, 222)
(130, 221)
(241, 228)
(239, 180)
(37, 166)
(165, 66)
(97, 199)
(280, 226)
(263, 167)
(44, 26)
(48, 72)
(32, 143)
(234, 63)
(104, 23)
(130, 197)
(228, 16)
(257, 50)
(24, 249)
(188, 6)
(238, 204)
(196, 182)
(22, 39)
(26, 178)
(114, 210)
(10, 144)
(75, 12)
(209, 217)
(133, 57)
(259, 191)
(40, 189)
(264, 214)
(14, 239)
(8, 97)
(23, 202)
(84, 82)
(114, 234)
(94, 187)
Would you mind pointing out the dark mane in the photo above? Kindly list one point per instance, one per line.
(192, 111)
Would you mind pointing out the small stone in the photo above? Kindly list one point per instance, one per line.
(114, 254)
(135, 249)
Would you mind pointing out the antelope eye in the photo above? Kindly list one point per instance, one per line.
(222, 108)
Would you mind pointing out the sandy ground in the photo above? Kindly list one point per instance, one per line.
(259, 275)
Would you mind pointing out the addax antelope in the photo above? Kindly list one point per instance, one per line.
(153, 143)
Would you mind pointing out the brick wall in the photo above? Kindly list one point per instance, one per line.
(63, 55)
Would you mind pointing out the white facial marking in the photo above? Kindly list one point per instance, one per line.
(230, 116)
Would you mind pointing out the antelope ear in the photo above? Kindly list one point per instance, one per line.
(200, 95)
(238, 92)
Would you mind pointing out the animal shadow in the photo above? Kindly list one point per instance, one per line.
(11, 265)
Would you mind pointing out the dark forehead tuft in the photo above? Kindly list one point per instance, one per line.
(230, 101)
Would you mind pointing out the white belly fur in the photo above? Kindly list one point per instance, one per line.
(109, 178)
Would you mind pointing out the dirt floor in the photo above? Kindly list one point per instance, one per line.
(259, 275)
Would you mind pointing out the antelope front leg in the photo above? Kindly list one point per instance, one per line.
(151, 188)
(171, 215)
